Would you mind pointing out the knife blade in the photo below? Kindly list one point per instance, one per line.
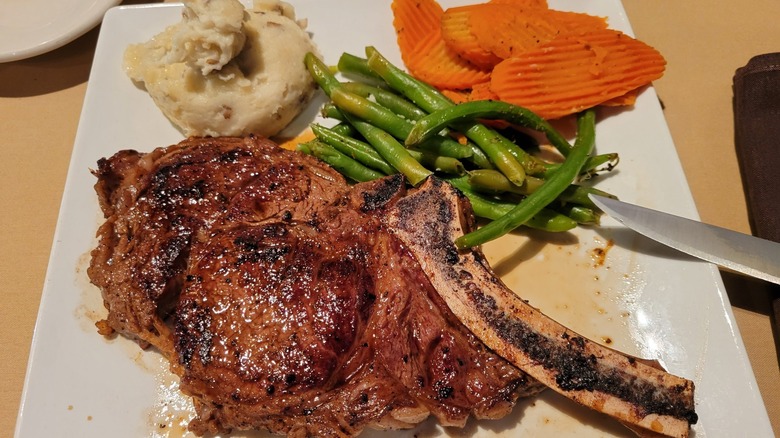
(739, 252)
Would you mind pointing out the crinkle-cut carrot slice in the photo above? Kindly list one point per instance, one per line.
(482, 91)
(576, 72)
(413, 20)
(479, 91)
(456, 96)
(456, 31)
(508, 30)
(542, 4)
(627, 99)
(433, 62)
(577, 21)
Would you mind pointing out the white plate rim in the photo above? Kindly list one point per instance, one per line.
(757, 422)
(59, 32)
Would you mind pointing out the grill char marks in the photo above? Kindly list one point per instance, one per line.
(345, 299)
(157, 204)
(280, 297)
(628, 389)
(283, 306)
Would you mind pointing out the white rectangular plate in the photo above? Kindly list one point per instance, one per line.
(607, 283)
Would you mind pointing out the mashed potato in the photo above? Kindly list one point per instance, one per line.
(227, 70)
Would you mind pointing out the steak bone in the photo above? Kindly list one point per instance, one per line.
(641, 396)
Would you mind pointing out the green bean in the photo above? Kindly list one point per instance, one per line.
(345, 129)
(344, 164)
(447, 148)
(594, 165)
(329, 110)
(480, 133)
(321, 73)
(485, 109)
(479, 159)
(422, 94)
(551, 220)
(383, 118)
(431, 100)
(393, 124)
(577, 194)
(354, 65)
(356, 149)
(374, 113)
(602, 162)
(495, 146)
(581, 215)
(487, 180)
(388, 99)
(491, 181)
(391, 150)
(438, 163)
(371, 112)
(519, 137)
(368, 156)
(551, 189)
(545, 219)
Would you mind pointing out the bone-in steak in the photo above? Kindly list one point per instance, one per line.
(279, 296)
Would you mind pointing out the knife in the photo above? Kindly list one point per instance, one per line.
(740, 252)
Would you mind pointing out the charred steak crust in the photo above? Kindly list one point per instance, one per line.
(280, 297)
(157, 204)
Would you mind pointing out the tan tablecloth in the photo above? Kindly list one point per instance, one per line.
(704, 42)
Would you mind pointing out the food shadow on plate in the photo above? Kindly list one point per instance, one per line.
(310, 114)
(536, 241)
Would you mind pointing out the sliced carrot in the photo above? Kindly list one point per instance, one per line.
(482, 91)
(292, 143)
(457, 33)
(627, 99)
(413, 20)
(525, 3)
(576, 72)
(553, 62)
(433, 62)
(456, 96)
(508, 30)
(576, 21)
(479, 91)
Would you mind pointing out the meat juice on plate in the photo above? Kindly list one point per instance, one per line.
(577, 279)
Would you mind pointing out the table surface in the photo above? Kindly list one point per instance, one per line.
(704, 42)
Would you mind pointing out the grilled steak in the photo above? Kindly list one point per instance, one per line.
(280, 296)
(156, 205)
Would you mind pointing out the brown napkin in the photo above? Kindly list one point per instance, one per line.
(757, 135)
(757, 139)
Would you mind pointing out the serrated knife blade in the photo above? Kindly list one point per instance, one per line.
(739, 252)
